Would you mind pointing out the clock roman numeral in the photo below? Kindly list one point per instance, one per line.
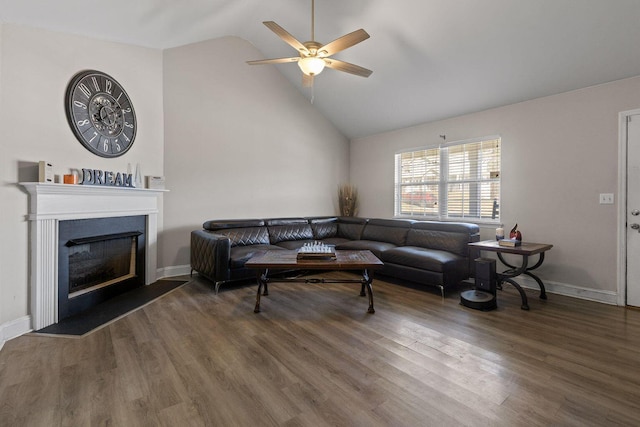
(85, 90)
(95, 84)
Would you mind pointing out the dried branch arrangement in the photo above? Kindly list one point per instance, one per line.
(348, 200)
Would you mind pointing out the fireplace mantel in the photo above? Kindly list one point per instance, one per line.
(50, 203)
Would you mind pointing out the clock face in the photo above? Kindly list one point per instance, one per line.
(100, 114)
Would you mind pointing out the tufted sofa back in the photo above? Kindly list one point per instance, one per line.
(287, 229)
(324, 227)
(387, 230)
(446, 236)
(241, 232)
(351, 227)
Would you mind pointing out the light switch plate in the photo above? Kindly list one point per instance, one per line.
(606, 198)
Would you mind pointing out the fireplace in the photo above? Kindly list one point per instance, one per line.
(98, 258)
(51, 206)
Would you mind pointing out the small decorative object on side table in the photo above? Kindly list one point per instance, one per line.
(515, 234)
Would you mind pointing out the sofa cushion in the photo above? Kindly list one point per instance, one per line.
(282, 233)
(324, 228)
(423, 258)
(456, 243)
(387, 230)
(350, 227)
(360, 245)
(293, 244)
(241, 254)
(335, 241)
(246, 236)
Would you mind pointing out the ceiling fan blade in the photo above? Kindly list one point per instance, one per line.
(347, 67)
(273, 61)
(284, 35)
(307, 81)
(343, 42)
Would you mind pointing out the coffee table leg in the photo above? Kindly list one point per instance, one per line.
(367, 280)
(264, 282)
(260, 283)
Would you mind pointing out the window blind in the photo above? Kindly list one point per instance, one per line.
(459, 180)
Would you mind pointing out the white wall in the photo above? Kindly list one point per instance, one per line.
(240, 142)
(36, 66)
(559, 153)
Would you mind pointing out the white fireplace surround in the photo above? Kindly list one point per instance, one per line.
(50, 203)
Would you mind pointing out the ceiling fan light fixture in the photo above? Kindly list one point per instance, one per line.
(311, 65)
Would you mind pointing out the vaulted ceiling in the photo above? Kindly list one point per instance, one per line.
(431, 59)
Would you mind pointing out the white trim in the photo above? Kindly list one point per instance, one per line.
(176, 270)
(14, 328)
(51, 203)
(621, 252)
(590, 294)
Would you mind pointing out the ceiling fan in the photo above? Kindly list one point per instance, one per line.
(314, 56)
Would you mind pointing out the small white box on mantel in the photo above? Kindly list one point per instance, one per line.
(155, 182)
(45, 171)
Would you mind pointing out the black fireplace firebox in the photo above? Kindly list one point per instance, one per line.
(98, 259)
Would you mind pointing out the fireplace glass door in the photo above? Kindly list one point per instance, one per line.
(101, 261)
(98, 259)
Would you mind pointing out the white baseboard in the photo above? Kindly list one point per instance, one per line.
(177, 270)
(14, 328)
(605, 297)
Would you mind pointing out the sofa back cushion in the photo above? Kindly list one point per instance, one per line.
(219, 224)
(447, 236)
(387, 230)
(246, 236)
(241, 232)
(350, 227)
(324, 228)
(288, 229)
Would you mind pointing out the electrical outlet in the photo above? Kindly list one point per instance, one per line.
(606, 198)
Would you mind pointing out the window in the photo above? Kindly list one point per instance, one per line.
(453, 181)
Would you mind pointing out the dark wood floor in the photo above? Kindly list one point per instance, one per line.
(314, 357)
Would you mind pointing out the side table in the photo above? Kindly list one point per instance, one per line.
(524, 250)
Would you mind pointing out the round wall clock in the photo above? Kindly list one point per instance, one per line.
(100, 113)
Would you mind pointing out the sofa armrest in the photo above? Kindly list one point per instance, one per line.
(210, 254)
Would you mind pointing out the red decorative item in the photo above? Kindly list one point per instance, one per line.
(515, 234)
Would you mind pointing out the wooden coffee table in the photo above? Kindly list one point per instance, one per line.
(363, 261)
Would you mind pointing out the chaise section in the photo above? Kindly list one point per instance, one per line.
(435, 253)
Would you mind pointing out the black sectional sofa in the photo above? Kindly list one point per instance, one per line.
(428, 252)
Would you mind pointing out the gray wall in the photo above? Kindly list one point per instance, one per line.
(240, 142)
(559, 153)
